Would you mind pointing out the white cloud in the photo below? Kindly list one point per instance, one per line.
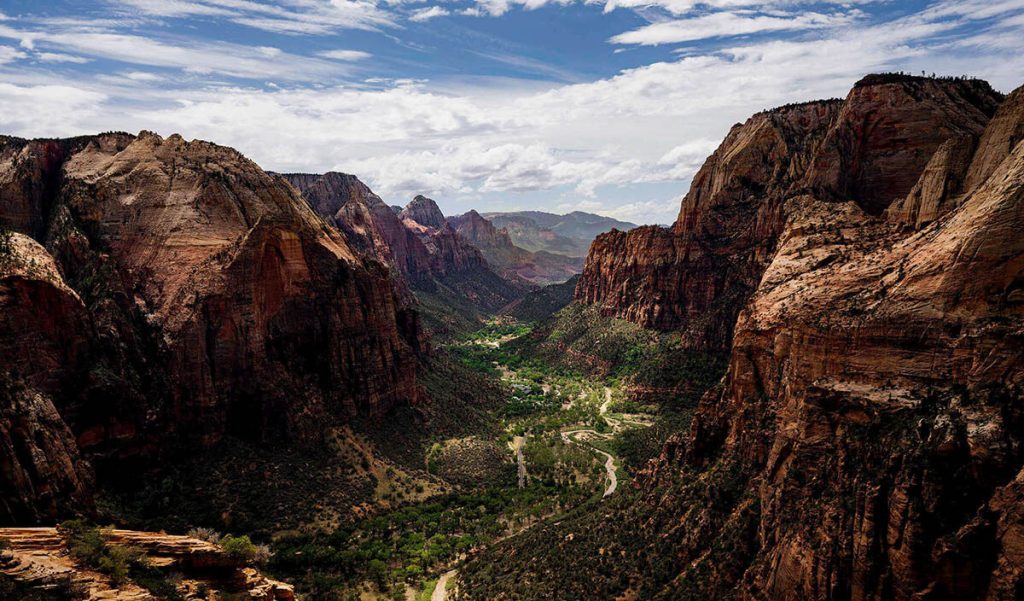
(345, 55)
(56, 57)
(9, 55)
(425, 14)
(217, 57)
(313, 17)
(727, 24)
(47, 110)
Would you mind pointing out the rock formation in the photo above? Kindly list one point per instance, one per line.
(508, 259)
(870, 148)
(423, 211)
(433, 259)
(39, 557)
(866, 441)
(189, 295)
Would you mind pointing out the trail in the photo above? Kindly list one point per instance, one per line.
(441, 590)
(517, 444)
(574, 436)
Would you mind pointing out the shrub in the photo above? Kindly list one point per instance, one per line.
(242, 549)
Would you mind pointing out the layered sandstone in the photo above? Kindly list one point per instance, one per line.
(39, 557)
(870, 148)
(204, 298)
(865, 443)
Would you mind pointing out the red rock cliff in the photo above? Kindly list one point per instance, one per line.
(870, 148)
(214, 300)
(866, 442)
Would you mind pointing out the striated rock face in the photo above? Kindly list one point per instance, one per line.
(870, 148)
(423, 211)
(866, 443)
(367, 222)
(695, 276)
(44, 331)
(511, 261)
(209, 300)
(888, 130)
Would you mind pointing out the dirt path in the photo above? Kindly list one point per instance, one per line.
(441, 590)
(517, 445)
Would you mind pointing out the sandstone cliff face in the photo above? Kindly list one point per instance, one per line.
(367, 222)
(695, 276)
(511, 261)
(870, 148)
(215, 300)
(866, 443)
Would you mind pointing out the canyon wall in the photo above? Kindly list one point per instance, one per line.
(190, 295)
(695, 277)
(866, 442)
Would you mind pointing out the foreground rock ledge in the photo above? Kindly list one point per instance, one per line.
(39, 557)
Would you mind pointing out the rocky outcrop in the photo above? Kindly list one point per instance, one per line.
(367, 222)
(214, 302)
(695, 276)
(508, 259)
(870, 148)
(423, 211)
(38, 557)
(888, 130)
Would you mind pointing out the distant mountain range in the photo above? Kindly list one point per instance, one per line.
(568, 235)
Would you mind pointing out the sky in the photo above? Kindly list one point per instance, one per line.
(607, 106)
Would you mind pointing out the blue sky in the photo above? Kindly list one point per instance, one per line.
(607, 105)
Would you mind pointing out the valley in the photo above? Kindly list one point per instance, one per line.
(560, 431)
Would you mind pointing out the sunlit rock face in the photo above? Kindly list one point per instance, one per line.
(871, 418)
(870, 148)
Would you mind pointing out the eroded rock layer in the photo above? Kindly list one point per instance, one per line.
(191, 295)
(869, 148)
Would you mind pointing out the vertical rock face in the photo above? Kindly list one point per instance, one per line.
(888, 129)
(511, 261)
(44, 331)
(870, 148)
(695, 276)
(866, 443)
(215, 302)
(367, 222)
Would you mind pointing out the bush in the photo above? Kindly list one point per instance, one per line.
(88, 544)
(242, 549)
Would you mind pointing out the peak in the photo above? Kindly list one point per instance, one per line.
(424, 211)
